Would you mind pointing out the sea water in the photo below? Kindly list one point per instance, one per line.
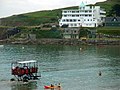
(75, 67)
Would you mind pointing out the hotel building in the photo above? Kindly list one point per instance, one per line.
(84, 16)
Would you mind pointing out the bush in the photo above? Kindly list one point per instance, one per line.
(49, 34)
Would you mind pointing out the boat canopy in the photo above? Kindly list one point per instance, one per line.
(31, 61)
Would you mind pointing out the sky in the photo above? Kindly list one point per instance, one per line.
(15, 7)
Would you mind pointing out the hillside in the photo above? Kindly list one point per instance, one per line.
(48, 16)
(107, 5)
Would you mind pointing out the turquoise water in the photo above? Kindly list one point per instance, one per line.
(75, 69)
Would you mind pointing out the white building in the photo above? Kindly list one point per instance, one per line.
(85, 16)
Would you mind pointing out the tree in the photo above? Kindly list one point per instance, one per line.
(115, 10)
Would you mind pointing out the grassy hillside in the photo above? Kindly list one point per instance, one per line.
(107, 5)
(48, 16)
(35, 18)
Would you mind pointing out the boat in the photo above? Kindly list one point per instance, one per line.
(52, 86)
(49, 87)
(25, 70)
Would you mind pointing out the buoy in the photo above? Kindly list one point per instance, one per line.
(80, 49)
(22, 47)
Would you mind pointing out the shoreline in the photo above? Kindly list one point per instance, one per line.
(61, 42)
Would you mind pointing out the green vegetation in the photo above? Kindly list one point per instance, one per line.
(53, 33)
(3, 30)
(115, 10)
(109, 30)
(51, 16)
(83, 32)
(33, 19)
(108, 5)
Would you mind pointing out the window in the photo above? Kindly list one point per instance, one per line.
(63, 20)
(67, 20)
(74, 20)
(90, 15)
(75, 24)
(75, 31)
(65, 15)
(70, 20)
(71, 24)
(73, 15)
(86, 11)
(82, 11)
(68, 11)
(90, 10)
(82, 15)
(69, 15)
(73, 11)
(65, 11)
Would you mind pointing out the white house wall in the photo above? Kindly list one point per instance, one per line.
(88, 16)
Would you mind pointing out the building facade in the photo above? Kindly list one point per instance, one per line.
(71, 33)
(84, 16)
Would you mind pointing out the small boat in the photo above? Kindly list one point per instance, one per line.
(49, 87)
(52, 86)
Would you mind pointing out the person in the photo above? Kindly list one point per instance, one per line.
(13, 67)
(52, 87)
(100, 73)
(59, 86)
